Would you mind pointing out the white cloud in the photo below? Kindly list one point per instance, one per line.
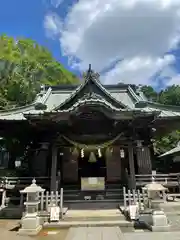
(52, 24)
(138, 70)
(139, 32)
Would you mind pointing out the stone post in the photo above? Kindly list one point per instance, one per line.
(30, 221)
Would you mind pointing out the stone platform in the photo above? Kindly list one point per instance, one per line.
(84, 218)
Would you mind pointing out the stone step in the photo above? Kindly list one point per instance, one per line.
(79, 195)
(94, 218)
(112, 212)
(114, 201)
(84, 205)
(111, 197)
(104, 223)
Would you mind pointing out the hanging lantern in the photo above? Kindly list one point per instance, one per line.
(99, 152)
(92, 157)
(75, 152)
(122, 154)
(82, 153)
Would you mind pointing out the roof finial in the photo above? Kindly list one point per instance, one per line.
(89, 70)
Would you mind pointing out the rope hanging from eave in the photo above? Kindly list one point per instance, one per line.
(93, 146)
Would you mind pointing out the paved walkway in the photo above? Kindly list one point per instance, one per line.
(92, 233)
(6, 234)
(152, 236)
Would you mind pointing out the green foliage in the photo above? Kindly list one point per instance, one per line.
(149, 92)
(168, 96)
(24, 67)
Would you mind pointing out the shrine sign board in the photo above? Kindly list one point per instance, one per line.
(92, 183)
(54, 214)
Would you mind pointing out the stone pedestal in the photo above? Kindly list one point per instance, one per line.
(159, 222)
(156, 221)
(30, 225)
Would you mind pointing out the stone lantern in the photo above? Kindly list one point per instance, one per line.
(154, 191)
(155, 219)
(31, 221)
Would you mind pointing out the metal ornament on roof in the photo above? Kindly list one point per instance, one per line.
(91, 73)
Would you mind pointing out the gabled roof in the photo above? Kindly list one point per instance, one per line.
(91, 89)
(67, 98)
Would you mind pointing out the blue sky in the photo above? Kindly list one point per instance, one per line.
(24, 18)
(116, 37)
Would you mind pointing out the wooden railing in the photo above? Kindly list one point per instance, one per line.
(169, 180)
(134, 197)
(47, 200)
(22, 182)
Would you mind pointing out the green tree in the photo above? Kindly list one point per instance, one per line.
(24, 67)
(168, 96)
(149, 92)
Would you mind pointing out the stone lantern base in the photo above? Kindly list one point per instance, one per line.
(30, 225)
(159, 222)
(156, 221)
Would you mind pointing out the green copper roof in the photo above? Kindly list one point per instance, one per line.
(66, 98)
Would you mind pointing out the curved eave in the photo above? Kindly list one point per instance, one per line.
(17, 114)
(106, 108)
(154, 105)
(173, 151)
(165, 111)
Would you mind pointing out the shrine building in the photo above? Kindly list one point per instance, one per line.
(90, 134)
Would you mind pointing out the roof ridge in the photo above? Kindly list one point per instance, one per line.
(133, 94)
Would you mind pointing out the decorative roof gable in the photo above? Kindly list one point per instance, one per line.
(93, 90)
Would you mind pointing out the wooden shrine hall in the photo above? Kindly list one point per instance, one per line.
(89, 135)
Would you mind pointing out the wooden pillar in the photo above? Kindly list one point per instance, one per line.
(131, 167)
(147, 160)
(53, 168)
(144, 160)
(140, 160)
(113, 166)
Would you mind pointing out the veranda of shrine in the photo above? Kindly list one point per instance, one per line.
(91, 131)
